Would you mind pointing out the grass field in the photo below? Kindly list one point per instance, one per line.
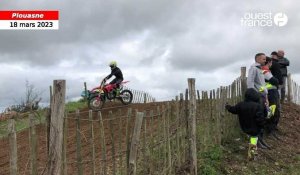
(23, 123)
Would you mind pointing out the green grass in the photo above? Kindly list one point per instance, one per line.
(23, 123)
(3, 128)
(294, 169)
(209, 162)
(20, 125)
(297, 158)
(72, 106)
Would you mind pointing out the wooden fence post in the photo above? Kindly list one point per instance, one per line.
(164, 154)
(243, 72)
(186, 112)
(218, 111)
(145, 148)
(128, 133)
(289, 86)
(103, 145)
(135, 142)
(92, 142)
(178, 129)
(206, 123)
(13, 146)
(48, 119)
(85, 91)
(113, 149)
(33, 145)
(243, 81)
(56, 127)
(78, 144)
(168, 114)
(198, 95)
(145, 98)
(120, 147)
(65, 145)
(192, 126)
(183, 132)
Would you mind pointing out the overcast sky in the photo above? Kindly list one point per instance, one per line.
(158, 44)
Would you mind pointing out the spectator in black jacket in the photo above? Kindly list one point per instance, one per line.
(251, 118)
(284, 62)
(275, 68)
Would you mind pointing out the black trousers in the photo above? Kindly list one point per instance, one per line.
(263, 105)
(273, 97)
(116, 81)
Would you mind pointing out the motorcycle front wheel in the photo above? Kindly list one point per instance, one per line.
(126, 97)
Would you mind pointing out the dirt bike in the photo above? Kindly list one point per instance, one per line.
(99, 95)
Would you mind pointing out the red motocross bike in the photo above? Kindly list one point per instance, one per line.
(98, 95)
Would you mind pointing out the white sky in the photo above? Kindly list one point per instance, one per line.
(158, 44)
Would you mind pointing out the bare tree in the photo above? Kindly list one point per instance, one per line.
(32, 95)
(31, 101)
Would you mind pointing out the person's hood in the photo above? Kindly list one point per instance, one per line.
(252, 95)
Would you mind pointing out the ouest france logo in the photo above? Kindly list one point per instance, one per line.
(264, 19)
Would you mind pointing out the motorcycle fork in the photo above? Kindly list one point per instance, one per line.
(99, 97)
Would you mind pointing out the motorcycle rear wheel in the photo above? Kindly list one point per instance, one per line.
(96, 104)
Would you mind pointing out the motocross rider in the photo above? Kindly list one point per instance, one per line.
(115, 71)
